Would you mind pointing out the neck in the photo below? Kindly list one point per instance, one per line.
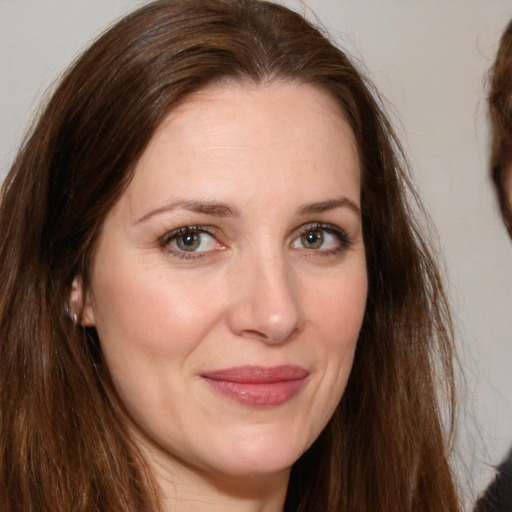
(217, 494)
(186, 489)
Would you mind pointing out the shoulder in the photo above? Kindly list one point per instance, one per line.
(498, 496)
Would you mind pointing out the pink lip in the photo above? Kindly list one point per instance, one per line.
(258, 386)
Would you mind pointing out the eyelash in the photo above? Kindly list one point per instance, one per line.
(345, 241)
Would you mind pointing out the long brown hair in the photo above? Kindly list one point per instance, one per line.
(63, 445)
(500, 109)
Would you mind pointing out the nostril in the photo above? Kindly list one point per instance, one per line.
(257, 335)
(271, 336)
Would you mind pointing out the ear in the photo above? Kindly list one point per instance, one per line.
(80, 307)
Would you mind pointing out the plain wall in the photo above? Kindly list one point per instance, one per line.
(429, 61)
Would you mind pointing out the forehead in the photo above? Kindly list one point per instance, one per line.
(305, 95)
(235, 110)
(287, 134)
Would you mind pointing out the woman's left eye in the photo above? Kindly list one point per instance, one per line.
(320, 238)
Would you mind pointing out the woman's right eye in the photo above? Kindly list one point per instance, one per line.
(186, 241)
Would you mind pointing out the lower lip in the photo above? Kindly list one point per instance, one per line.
(258, 394)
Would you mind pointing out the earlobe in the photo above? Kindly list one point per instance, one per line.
(80, 308)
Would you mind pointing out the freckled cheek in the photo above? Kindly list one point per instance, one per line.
(336, 318)
(338, 309)
(340, 312)
(157, 315)
(336, 315)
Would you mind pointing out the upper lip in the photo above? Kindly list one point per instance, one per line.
(258, 374)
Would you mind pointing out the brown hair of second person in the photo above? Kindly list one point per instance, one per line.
(500, 108)
(498, 495)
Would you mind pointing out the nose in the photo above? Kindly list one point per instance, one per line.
(265, 302)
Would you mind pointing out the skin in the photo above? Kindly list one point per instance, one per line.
(253, 291)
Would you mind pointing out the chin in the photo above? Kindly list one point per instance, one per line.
(254, 458)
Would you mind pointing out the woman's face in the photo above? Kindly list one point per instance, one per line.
(229, 282)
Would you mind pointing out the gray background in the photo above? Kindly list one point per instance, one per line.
(429, 61)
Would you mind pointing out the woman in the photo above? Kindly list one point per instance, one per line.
(214, 295)
(498, 496)
(500, 109)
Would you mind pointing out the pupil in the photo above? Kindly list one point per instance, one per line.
(189, 239)
(313, 239)
(188, 242)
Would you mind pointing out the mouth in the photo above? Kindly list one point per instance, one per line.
(258, 386)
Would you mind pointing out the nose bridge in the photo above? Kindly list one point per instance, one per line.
(266, 305)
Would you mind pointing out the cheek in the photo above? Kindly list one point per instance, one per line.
(150, 312)
(337, 314)
(339, 307)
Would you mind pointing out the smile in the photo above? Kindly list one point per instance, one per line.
(258, 386)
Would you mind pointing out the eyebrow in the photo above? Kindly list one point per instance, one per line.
(206, 207)
(226, 210)
(330, 204)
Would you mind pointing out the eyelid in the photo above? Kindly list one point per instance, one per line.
(182, 230)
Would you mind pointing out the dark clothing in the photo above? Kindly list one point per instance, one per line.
(498, 496)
